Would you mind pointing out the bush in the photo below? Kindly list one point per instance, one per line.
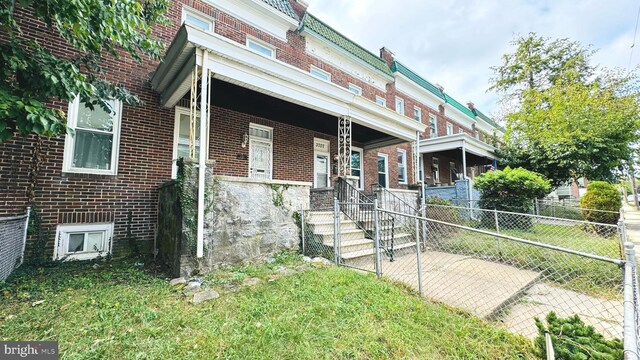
(511, 190)
(601, 196)
(573, 339)
(449, 215)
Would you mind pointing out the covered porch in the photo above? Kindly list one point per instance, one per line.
(273, 132)
(450, 163)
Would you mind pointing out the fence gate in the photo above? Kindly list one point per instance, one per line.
(13, 236)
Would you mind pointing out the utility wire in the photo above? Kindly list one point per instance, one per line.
(634, 39)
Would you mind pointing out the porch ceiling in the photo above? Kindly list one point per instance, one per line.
(236, 98)
(234, 63)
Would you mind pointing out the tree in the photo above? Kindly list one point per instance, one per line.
(538, 62)
(563, 122)
(32, 75)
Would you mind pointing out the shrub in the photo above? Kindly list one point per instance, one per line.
(601, 196)
(573, 339)
(449, 215)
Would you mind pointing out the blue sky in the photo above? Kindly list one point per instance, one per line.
(453, 43)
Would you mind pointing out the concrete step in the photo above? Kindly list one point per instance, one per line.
(350, 234)
(321, 216)
(347, 246)
(326, 226)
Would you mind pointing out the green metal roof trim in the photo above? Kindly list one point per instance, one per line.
(283, 6)
(398, 67)
(327, 32)
(459, 106)
(487, 119)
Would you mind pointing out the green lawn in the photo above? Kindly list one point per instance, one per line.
(119, 311)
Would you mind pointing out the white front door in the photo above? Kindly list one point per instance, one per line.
(259, 159)
(321, 170)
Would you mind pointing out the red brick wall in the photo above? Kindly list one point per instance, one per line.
(145, 156)
(371, 165)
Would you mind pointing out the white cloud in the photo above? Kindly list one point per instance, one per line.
(454, 43)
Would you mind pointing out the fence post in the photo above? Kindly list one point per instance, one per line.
(376, 219)
(419, 258)
(304, 248)
(495, 216)
(336, 232)
(549, 346)
(630, 335)
(24, 238)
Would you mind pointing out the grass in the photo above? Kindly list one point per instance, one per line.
(119, 311)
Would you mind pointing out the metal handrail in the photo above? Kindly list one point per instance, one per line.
(358, 207)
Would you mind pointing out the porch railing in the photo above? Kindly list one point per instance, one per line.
(358, 207)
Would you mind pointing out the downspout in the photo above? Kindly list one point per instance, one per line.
(204, 119)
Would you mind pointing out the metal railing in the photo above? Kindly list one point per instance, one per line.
(390, 201)
(359, 207)
(13, 237)
(572, 210)
(596, 238)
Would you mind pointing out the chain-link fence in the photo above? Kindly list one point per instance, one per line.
(13, 235)
(631, 338)
(594, 238)
(504, 267)
(572, 210)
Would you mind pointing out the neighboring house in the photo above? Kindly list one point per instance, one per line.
(291, 105)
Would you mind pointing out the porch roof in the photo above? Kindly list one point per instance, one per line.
(458, 141)
(232, 62)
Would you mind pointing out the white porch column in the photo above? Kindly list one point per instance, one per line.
(204, 119)
(416, 159)
(464, 160)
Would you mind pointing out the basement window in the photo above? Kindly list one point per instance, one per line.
(83, 241)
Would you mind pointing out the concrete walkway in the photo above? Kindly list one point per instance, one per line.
(632, 222)
(499, 292)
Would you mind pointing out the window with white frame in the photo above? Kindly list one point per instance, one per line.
(83, 241)
(355, 89)
(261, 47)
(260, 152)
(197, 19)
(319, 73)
(399, 105)
(93, 148)
(402, 166)
(421, 168)
(181, 136)
(449, 129)
(381, 101)
(417, 113)
(433, 126)
(453, 170)
(435, 169)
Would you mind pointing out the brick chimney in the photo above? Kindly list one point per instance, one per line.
(299, 6)
(440, 87)
(387, 55)
(471, 105)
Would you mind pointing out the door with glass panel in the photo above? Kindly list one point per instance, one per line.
(356, 166)
(383, 170)
(321, 168)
